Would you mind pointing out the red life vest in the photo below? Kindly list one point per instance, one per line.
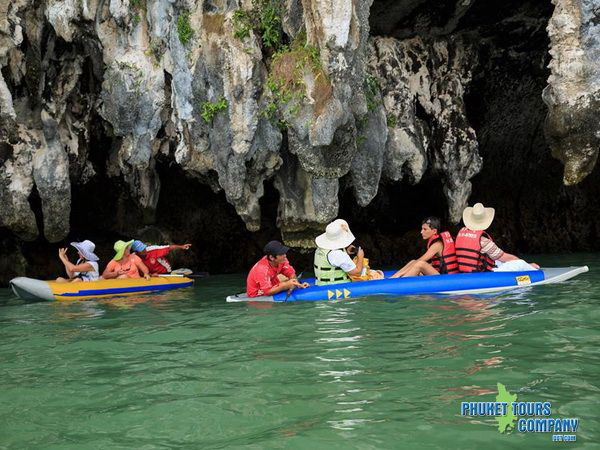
(447, 263)
(468, 252)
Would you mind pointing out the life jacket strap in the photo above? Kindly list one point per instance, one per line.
(333, 279)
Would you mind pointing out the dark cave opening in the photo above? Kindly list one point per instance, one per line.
(388, 228)
(190, 211)
(519, 177)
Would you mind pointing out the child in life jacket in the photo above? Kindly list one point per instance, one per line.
(439, 257)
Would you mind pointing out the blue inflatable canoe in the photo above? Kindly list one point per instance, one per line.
(464, 283)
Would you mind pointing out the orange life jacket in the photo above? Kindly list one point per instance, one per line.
(468, 252)
(447, 263)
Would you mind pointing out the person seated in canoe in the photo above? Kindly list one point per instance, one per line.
(440, 256)
(125, 264)
(272, 273)
(333, 263)
(86, 267)
(366, 274)
(154, 256)
(476, 250)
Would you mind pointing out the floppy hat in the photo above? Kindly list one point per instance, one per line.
(120, 247)
(275, 248)
(86, 248)
(138, 246)
(337, 235)
(478, 217)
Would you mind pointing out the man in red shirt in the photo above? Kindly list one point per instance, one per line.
(154, 256)
(272, 273)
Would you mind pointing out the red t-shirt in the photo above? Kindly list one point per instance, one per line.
(155, 259)
(263, 276)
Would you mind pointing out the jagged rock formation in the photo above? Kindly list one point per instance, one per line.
(573, 91)
(156, 92)
(282, 108)
(431, 77)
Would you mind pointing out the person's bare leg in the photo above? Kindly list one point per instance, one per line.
(420, 268)
(402, 272)
(282, 278)
(62, 280)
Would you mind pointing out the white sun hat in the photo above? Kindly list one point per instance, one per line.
(86, 248)
(478, 217)
(337, 235)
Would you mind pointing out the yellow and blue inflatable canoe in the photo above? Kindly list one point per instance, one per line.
(32, 289)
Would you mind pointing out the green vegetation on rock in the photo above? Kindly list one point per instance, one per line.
(184, 29)
(138, 7)
(210, 110)
(392, 120)
(286, 80)
(372, 90)
(264, 19)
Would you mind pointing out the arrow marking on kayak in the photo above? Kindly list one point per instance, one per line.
(346, 293)
(329, 295)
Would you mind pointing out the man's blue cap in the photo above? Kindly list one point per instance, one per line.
(138, 246)
(275, 248)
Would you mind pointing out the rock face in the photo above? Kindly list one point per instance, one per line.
(573, 91)
(431, 77)
(182, 80)
(290, 112)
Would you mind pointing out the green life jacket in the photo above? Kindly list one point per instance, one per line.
(325, 273)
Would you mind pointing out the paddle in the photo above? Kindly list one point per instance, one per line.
(191, 275)
(289, 292)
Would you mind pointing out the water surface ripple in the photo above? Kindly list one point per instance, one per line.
(186, 369)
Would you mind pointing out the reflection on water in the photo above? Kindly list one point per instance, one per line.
(185, 369)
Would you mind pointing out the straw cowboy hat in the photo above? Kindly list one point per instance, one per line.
(86, 248)
(337, 235)
(478, 217)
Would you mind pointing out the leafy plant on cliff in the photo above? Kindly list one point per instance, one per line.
(184, 29)
(154, 51)
(392, 120)
(264, 19)
(290, 69)
(210, 109)
(372, 90)
(241, 24)
(362, 121)
(270, 21)
(138, 7)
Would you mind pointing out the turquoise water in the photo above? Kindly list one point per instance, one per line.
(186, 369)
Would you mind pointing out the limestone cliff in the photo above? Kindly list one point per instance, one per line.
(573, 91)
(199, 78)
(114, 113)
